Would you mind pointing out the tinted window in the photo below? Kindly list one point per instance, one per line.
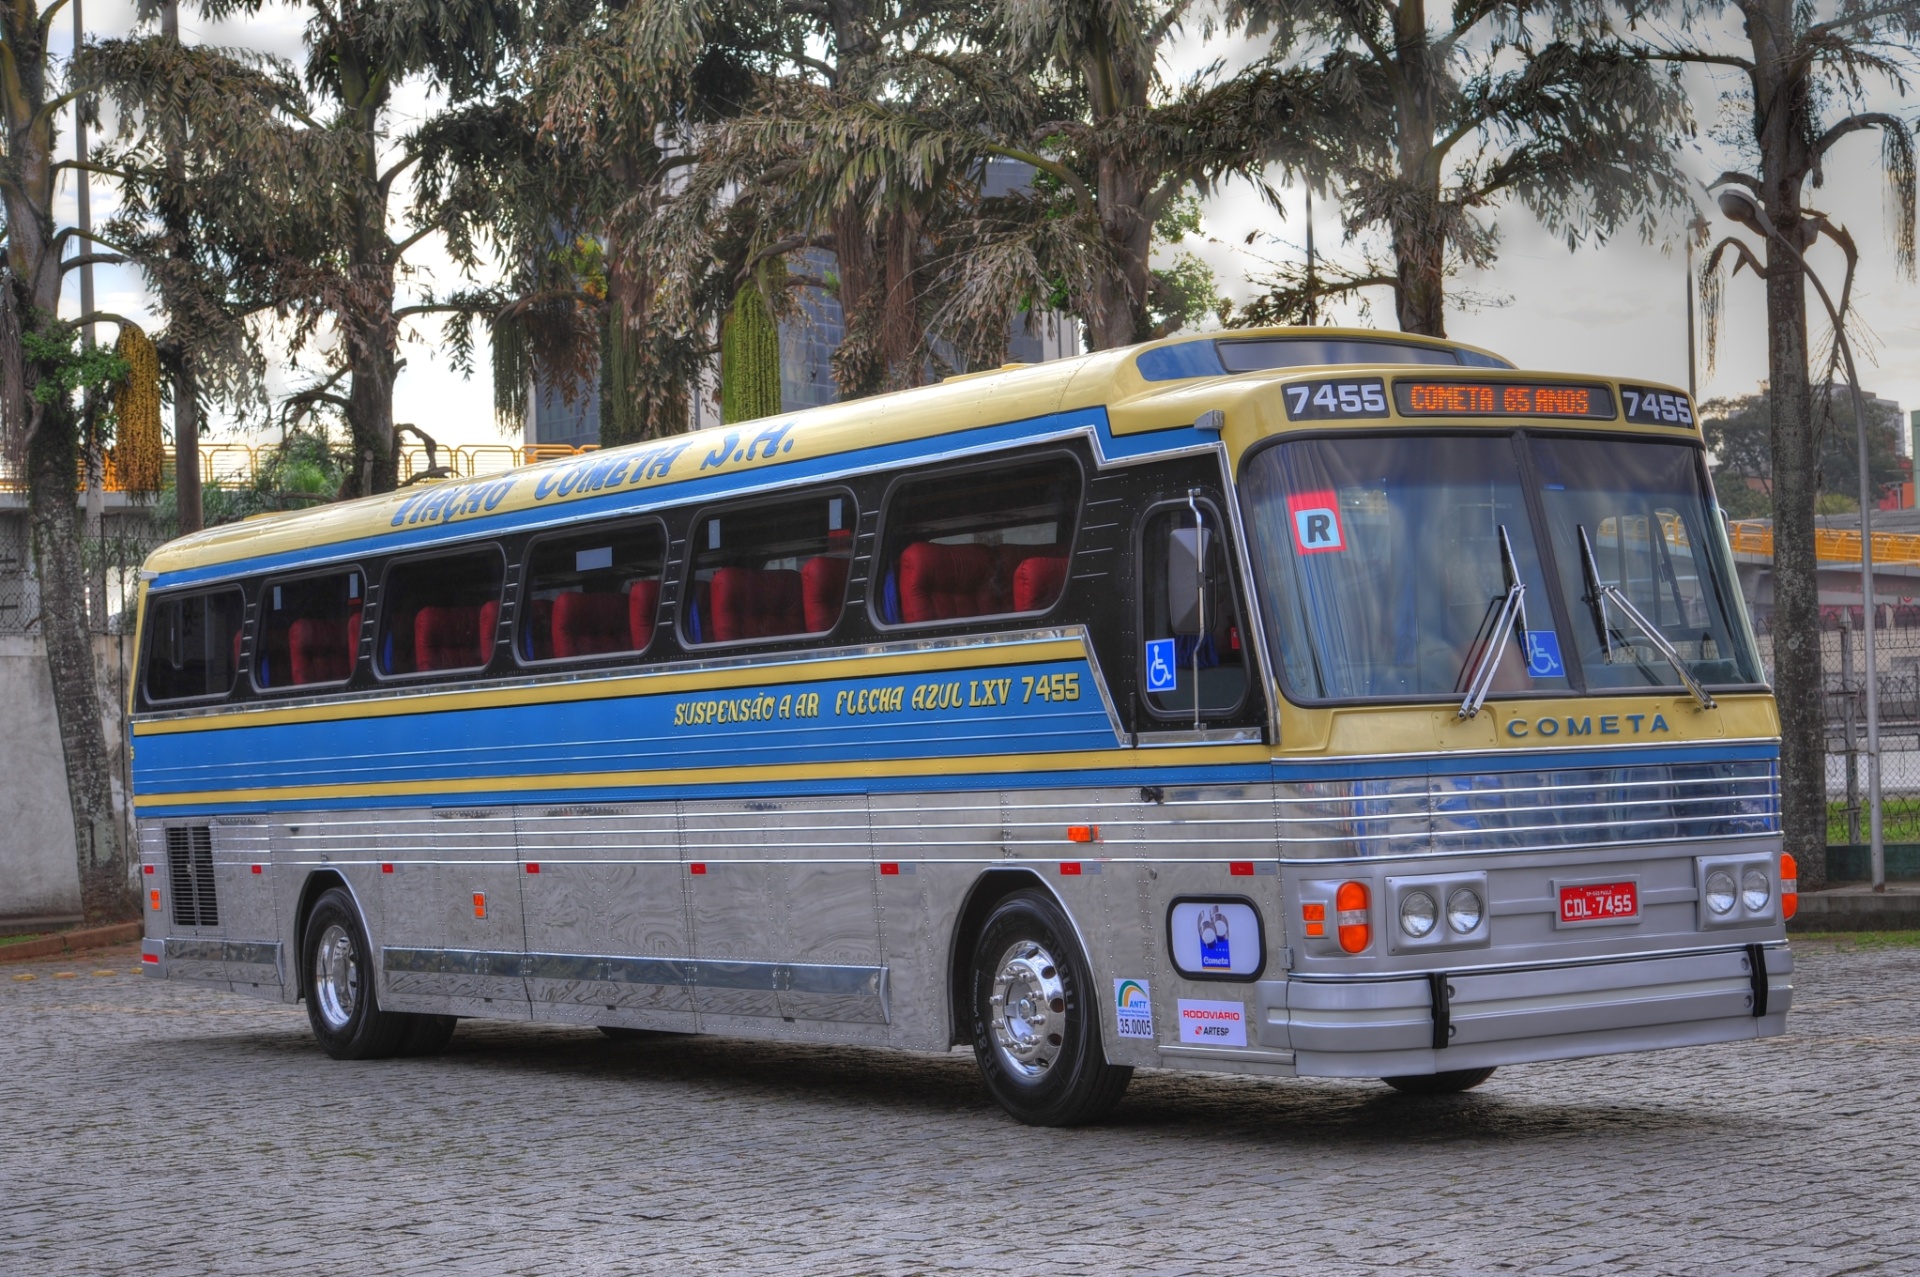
(309, 630)
(767, 571)
(1294, 352)
(978, 542)
(591, 593)
(439, 613)
(193, 644)
(1190, 620)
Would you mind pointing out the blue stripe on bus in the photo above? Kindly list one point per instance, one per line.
(637, 733)
(1107, 447)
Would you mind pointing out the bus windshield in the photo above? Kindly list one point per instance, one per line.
(1386, 560)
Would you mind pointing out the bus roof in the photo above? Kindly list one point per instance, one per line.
(1159, 389)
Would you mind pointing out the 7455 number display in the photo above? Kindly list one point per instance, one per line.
(1336, 400)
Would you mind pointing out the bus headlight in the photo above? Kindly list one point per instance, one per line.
(1720, 891)
(1464, 911)
(1754, 890)
(1418, 914)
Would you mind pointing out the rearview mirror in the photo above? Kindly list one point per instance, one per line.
(1186, 578)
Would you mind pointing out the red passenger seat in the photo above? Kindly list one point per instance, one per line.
(643, 603)
(751, 603)
(1038, 578)
(587, 624)
(824, 584)
(317, 650)
(941, 582)
(446, 638)
(489, 626)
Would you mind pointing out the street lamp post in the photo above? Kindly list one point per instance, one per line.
(1739, 205)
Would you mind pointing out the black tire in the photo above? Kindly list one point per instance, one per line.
(426, 1034)
(1449, 1083)
(1049, 1069)
(338, 980)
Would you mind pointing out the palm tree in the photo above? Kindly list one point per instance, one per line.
(1423, 124)
(1802, 81)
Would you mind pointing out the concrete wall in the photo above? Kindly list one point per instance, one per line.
(39, 882)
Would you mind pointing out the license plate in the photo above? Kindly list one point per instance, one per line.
(1599, 902)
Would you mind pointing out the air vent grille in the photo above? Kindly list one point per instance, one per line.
(190, 869)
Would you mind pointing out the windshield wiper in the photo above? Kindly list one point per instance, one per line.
(1513, 608)
(1599, 594)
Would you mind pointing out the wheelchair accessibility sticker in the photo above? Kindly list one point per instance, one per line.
(1162, 666)
(1543, 654)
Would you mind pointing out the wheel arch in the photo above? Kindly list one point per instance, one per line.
(318, 883)
(988, 890)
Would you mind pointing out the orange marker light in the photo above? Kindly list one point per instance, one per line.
(479, 904)
(1083, 833)
(154, 896)
(1314, 913)
(1789, 885)
(1353, 902)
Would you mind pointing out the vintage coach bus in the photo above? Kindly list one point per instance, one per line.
(1287, 702)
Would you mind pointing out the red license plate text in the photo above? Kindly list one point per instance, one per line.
(1599, 902)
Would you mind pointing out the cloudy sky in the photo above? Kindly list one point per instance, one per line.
(1617, 308)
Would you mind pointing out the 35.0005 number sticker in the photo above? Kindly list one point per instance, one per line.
(1336, 400)
(1655, 407)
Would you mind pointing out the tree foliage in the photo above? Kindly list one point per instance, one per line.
(1424, 125)
(1739, 433)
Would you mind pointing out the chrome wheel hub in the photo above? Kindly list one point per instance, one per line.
(336, 976)
(1027, 1014)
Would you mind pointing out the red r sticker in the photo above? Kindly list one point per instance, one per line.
(1316, 522)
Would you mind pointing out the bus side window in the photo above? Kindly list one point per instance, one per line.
(769, 571)
(1190, 615)
(193, 645)
(591, 593)
(987, 541)
(439, 613)
(309, 630)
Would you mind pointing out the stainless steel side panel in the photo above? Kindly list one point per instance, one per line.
(610, 883)
(242, 844)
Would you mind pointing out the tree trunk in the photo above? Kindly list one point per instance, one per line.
(106, 894)
(1420, 289)
(370, 417)
(186, 450)
(1783, 118)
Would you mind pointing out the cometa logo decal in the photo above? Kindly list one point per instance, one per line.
(1589, 725)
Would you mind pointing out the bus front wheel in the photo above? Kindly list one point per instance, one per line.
(1036, 1033)
(1450, 1083)
(341, 1004)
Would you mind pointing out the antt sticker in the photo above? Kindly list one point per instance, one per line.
(1316, 522)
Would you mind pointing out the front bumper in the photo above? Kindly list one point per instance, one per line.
(1396, 1027)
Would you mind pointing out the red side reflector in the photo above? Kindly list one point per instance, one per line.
(889, 867)
(1240, 868)
(533, 869)
(1071, 868)
(150, 957)
(1083, 833)
(146, 869)
(696, 869)
(386, 869)
(256, 868)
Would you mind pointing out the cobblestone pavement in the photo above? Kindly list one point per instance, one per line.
(154, 1129)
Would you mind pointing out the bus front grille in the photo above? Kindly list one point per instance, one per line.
(190, 872)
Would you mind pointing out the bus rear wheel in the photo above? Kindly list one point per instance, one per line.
(1449, 1083)
(342, 1006)
(1036, 1033)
